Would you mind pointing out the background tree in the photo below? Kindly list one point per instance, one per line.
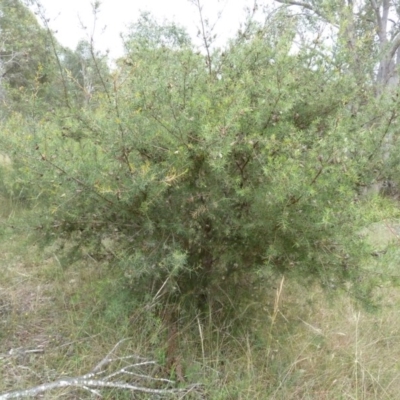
(365, 41)
(26, 58)
(368, 31)
(88, 72)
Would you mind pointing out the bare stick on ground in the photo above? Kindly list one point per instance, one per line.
(130, 376)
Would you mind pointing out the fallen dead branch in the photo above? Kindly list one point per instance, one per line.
(126, 377)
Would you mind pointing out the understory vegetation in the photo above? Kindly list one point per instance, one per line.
(232, 213)
(60, 318)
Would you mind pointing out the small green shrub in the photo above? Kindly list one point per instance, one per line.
(208, 179)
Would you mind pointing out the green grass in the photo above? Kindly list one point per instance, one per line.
(294, 343)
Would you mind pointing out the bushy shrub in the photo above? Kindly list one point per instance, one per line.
(206, 179)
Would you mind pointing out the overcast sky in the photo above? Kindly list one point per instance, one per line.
(116, 15)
